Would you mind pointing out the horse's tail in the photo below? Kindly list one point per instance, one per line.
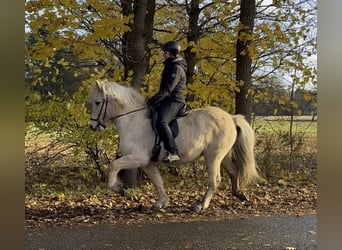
(243, 151)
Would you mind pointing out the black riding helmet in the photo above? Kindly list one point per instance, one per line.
(172, 47)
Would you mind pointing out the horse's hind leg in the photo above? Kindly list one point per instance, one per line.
(213, 167)
(154, 175)
(233, 172)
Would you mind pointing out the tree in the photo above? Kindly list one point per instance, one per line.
(68, 42)
(135, 42)
(205, 31)
(284, 40)
(135, 51)
(193, 36)
(243, 101)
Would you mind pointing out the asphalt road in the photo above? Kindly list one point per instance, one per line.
(276, 232)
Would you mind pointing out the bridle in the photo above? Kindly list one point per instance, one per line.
(105, 105)
(97, 119)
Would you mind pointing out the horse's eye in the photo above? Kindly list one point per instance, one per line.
(97, 103)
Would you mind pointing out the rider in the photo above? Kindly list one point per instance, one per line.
(170, 98)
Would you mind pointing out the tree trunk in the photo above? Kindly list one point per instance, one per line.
(149, 23)
(192, 36)
(243, 99)
(139, 42)
(136, 53)
(134, 42)
(126, 7)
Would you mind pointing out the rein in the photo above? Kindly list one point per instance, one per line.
(130, 112)
(104, 105)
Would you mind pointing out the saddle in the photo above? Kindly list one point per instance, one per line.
(173, 126)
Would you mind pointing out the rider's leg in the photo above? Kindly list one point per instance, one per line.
(167, 112)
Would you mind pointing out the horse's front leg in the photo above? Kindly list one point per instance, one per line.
(154, 175)
(124, 162)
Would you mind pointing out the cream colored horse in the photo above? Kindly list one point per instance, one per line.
(210, 132)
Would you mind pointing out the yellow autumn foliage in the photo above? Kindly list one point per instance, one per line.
(92, 31)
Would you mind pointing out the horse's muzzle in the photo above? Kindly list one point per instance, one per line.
(97, 127)
(94, 127)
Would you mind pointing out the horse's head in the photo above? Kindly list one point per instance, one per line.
(100, 117)
(110, 100)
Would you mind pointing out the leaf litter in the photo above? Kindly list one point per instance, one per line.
(106, 207)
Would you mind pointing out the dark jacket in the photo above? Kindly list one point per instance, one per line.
(173, 82)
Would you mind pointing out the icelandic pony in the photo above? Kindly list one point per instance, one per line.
(222, 139)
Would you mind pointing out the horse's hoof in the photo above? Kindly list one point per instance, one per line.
(117, 188)
(242, 196)
(197, 208)
(158, 206)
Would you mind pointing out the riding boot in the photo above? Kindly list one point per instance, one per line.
(169, 140)
(170, 145)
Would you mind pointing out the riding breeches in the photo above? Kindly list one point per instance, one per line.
(167, 111)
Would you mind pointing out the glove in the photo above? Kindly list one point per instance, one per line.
(151, 102)
(152, 106)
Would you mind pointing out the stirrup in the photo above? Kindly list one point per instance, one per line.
(171, 157)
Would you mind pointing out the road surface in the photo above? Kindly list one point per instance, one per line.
(275, 232)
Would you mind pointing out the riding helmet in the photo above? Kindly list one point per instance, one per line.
(173, 47)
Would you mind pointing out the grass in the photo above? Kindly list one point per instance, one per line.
(266, 125)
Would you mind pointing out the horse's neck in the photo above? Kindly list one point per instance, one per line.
(136, 122)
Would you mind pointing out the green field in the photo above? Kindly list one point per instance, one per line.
(282, 124)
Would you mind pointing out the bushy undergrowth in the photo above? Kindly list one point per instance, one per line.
(76, 171)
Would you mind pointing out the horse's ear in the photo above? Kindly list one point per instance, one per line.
(99, 84)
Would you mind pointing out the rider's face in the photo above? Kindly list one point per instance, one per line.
(167, 54)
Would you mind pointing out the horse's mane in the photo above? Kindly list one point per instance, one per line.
(123, 94)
